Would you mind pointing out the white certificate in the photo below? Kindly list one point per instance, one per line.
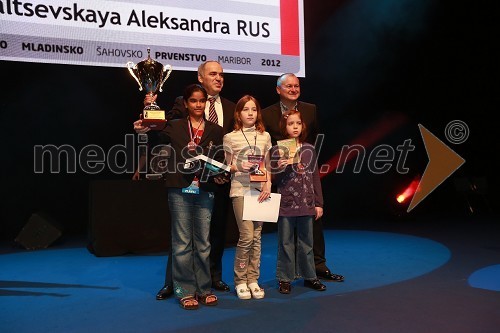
(266, 211)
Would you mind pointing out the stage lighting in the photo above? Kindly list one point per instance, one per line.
(409, 191)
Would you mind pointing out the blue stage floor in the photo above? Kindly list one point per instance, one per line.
(394, 282)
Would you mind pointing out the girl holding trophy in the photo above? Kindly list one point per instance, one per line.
(190, 198)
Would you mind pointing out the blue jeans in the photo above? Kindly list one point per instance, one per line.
(295, 254)
(190, 218)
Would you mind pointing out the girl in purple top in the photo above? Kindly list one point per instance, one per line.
(301, 205)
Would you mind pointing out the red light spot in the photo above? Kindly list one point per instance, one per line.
(408, 192)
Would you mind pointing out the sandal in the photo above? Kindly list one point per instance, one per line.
(189, 303)
(257, 292)
(207, 299)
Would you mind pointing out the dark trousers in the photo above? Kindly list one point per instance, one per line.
(319, 246)
(218, 231)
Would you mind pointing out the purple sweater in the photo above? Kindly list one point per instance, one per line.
(300, 192)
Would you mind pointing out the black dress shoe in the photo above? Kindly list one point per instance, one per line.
(220, 285)
(327, 275)
(315, 284)
(165, 292)
(285, 287)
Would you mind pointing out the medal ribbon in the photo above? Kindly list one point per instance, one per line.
(191, 130)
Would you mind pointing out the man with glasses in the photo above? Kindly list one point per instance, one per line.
(288, 89)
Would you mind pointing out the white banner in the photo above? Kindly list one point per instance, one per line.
(253, 36)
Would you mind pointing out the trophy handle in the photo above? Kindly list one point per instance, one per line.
(166, 76)
(132, 68)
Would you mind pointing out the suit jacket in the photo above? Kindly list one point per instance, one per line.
(176, 133)
(179, 111)
(272, 115)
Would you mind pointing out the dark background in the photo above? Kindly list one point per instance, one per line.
(396, 63)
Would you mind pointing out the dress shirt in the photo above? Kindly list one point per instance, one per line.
(218, 110)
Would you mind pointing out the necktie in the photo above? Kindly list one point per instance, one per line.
(212, 115)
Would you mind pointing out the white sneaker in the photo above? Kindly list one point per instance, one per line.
(257, 292)
(243, 292)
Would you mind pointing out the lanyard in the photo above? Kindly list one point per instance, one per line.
(254, 143)
(191, 129)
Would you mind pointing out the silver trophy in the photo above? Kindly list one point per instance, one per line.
(151, 75)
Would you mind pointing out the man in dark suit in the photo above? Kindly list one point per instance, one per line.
(288, 89)
(211, 77)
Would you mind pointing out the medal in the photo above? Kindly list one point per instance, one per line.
(191, 146)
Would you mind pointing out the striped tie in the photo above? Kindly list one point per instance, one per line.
(212, 115)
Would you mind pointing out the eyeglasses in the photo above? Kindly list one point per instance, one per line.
(290, 86)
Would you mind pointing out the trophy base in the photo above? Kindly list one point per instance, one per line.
(154, 118)
(154, 124)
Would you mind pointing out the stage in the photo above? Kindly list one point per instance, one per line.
(430, 275)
